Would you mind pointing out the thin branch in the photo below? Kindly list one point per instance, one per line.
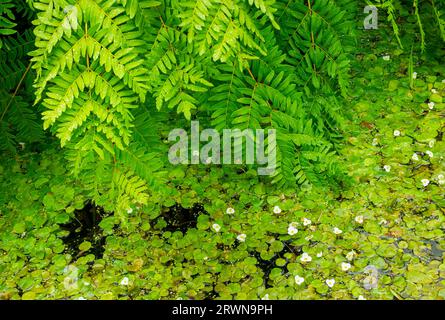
(16, 91)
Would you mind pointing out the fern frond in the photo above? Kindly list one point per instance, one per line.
(7, 18)
(7, 143)
(439, 12)
(388, 5)
(90, 70)
(267, 8)
(21, 118)
(316, 46)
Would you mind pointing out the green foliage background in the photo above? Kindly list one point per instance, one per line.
(111, 78)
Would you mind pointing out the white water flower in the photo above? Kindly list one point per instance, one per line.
(375, 142)
(216, 227)
(396, 133)
(359, 219)
(386, 57)
(360, 297)
(276, 209)
(425, 182)
(299, 280)
(430, 154)
(387, 167)
(230, 210)
(320, 254)
(431, 105)
(292, 230)
(70, 283)
(22, 145)
(125, 281)
(241, 237)
(330, 282)
(337, 230)
(383, 221)
(434, 90)
(415, 157)
(305, 257)
(306, 222)
(265, 297)
(414, 75)
(432, 143)
(350, 255)
(130, 210)
(345, 266)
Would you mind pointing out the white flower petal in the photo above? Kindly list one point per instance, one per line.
(350, 255)
(345, 266)
(291, 230)
(299, 280)
(125, 281)
(330, 282)
(276, 209)
(305, 257)
(230, 210)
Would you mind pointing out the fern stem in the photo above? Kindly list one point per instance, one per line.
(251, 75)
(16, 91)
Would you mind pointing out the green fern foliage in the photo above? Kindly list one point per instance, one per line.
(316, 33)
(227, 29)
(110, 79)
(439, 13)
(19, 121)
(89, 71)
(427, 14)
(246, 64)
(7, 18)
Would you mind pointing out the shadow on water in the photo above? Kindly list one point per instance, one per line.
(181, 219)
(85, 227)
(267, 265)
